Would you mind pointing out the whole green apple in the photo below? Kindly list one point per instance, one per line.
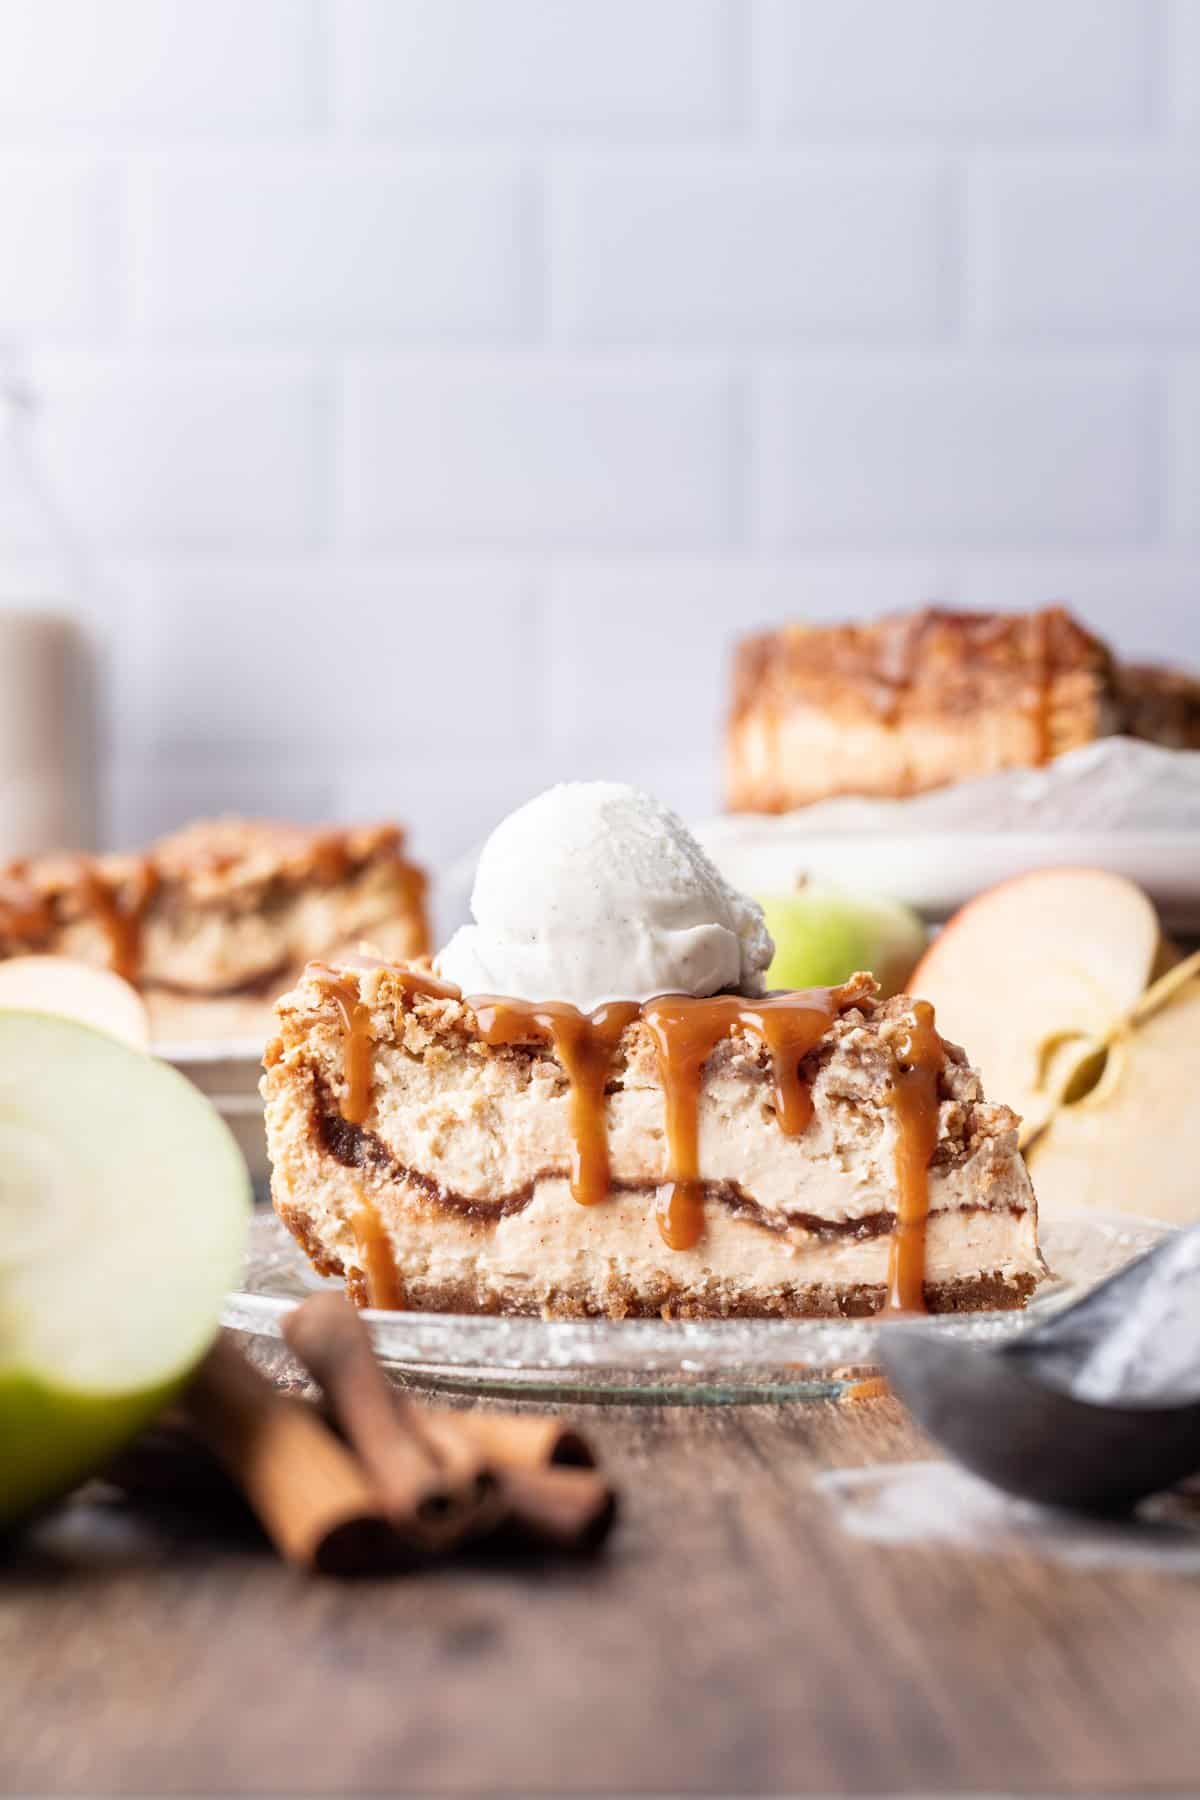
(823, 935)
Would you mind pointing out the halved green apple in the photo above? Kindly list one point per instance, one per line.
(124, 1205)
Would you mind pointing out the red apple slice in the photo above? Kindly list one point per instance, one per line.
(1131, 1143)
(1032, 973)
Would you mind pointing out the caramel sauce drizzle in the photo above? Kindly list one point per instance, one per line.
(375, 1257)
(1040, 698)
(684, 1032)
(914, 1098)
(119, 904)
(26, 913)
(331, 858)
(355, 1020)
(585, 1044)
(872, 1387)
(415, 887)
(121, 910)
(119, 900)
(357, 1057)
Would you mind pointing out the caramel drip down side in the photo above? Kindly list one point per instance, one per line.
(357, 1070)
(685, 1033)
(331, 858)
(355, 1020)
(380, 1276)
(584, 1044)
(25, 915)
(682, 1045)
(122, 914)
(415, 888)
(790, 1026)
(914, 1097)
(118, 904)
(1042, 691)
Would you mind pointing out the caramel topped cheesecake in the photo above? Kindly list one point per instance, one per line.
(687, 1153)
(919, 700)
(224, 911)
(808, 1154)
(1160, 705)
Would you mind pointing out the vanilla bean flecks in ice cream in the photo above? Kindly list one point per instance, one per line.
(594, 892)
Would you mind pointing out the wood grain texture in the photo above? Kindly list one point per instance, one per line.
(730, 1641)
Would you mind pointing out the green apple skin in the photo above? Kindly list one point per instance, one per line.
(52, 1439)
(124, 1206)
(823, 936)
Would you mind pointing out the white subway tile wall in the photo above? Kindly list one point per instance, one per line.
(439, 386)
(536, 451)
(995, 68)
(944, 447)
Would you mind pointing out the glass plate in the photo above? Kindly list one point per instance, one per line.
(708, 1361)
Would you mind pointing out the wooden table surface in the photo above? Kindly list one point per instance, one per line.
(732, 1640)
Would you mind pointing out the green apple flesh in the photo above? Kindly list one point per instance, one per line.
(823, 935)
(123, 1211)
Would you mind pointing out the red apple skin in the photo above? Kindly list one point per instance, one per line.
(930, 958)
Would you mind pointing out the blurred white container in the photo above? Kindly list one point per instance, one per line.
(48, 732)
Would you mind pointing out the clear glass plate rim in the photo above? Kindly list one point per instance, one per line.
(521, 1342)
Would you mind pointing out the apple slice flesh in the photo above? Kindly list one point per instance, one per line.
(1132, 1143)
(75, 990)
(123, 1211)
(1034, 967)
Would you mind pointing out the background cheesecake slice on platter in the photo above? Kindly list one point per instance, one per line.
(214, 920)
(916, 701)
(436, 1153)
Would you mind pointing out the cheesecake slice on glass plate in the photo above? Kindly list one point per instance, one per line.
(589, 1107)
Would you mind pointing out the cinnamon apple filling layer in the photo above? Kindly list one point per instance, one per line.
(354, 1147)
(796, 1153)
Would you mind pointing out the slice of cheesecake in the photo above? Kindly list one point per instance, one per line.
(215, 920)
(1161, 705)
(912, 702)
(813, 1153)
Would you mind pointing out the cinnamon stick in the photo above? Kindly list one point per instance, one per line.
(553, 1495)
(170, 1464)
(565, 1509)
(521, 1441)
(435, 1486)
(548, 1492)
(309, 1494)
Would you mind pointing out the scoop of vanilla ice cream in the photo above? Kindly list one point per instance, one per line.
(594, 892)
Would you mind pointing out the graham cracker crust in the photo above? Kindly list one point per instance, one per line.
(674, 1300)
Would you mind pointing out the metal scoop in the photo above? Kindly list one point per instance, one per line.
(1094, 1409)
